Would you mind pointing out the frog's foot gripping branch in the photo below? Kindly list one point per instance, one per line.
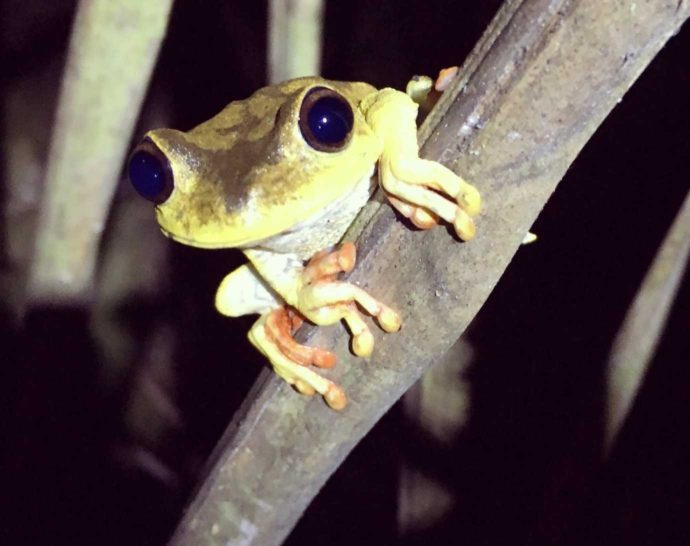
(421, 190)
(287, 363)
(281, 325)
(324, 300)
(426, 92)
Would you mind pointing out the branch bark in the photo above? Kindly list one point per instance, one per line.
(539, 83)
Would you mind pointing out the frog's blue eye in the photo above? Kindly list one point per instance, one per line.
(326, 120)
(150, 172)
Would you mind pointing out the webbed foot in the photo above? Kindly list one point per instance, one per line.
(422, 190)
(325, 300)
(289, 368)
(425, 191)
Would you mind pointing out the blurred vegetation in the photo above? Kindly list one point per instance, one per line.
(114, 399)
(295, 30)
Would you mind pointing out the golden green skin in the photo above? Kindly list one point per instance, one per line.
(247, 174)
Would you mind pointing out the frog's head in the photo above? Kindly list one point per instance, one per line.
(259, 167)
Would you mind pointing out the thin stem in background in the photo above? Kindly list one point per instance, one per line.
(113, 50)
(634, 347)
(294, 39)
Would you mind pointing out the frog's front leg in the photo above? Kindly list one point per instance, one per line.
(244, 292)
(317, 295)
(326, 300)
(420, 189)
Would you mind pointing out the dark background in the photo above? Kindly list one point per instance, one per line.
(525, 470)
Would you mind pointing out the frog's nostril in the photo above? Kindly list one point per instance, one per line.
(150, 172)
(326, 120)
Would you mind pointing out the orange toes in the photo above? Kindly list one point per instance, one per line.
(445, 77)
(281, 324)
(326, 265)
(335, 397)
(347, 256)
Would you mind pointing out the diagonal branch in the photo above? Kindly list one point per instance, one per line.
(542, 79)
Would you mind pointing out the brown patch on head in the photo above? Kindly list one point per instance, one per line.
(251, 160)
(242, 152)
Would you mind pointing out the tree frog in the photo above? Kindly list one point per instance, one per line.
(281, 175)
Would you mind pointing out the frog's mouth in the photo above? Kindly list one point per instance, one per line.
(177, 233)
(198, 243)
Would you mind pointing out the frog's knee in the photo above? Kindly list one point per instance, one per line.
(242, 292)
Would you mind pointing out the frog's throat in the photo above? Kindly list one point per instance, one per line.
(325, 227)
(192, 242)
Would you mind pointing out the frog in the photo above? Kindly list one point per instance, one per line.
(281, 175)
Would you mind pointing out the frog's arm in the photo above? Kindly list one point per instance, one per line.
(316, 293)
(420, 189)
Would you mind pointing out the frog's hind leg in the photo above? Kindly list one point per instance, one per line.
(281, 324)
(244, 292)
(304, 379)
(314, 292)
